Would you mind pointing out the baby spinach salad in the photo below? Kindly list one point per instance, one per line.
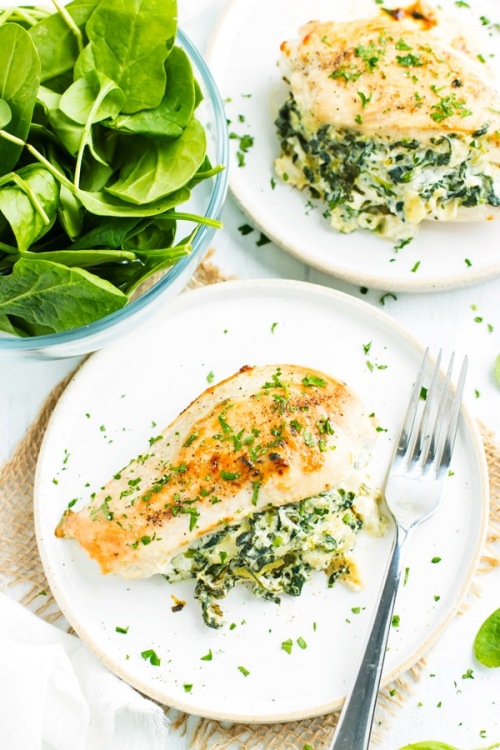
(99, 148)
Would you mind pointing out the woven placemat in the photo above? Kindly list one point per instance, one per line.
(20, 567)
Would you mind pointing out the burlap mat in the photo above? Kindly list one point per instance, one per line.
(20, 567)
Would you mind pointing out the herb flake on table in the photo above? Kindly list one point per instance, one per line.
(245, 229)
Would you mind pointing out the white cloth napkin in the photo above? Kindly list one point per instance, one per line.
(56, 695)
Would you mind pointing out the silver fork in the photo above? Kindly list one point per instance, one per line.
(413, 493)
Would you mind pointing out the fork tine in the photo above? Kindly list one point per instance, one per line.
(449, 431)
(438, 429)
(411, 412)
(421, 443)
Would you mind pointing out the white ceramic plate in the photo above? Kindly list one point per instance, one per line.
(125, 394)
(243, 58)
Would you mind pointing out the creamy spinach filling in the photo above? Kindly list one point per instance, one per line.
(387, 186)
(273, 552)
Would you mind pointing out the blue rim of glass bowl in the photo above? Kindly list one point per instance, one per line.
(214, 211)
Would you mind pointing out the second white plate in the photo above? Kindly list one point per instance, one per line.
(125, 394)
(243, 58)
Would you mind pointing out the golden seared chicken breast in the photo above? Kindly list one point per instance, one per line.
(261, 480)
(391, 120)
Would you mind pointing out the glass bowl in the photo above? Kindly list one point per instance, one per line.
(206, 200)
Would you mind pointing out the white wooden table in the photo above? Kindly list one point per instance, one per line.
(445, 706)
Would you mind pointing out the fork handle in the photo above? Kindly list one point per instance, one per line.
(355, 722)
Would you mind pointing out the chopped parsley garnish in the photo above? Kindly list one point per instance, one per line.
(193, 518)
(301, 642)
(364, 98)
(287, 646)
(395, 621)
(410, 60)
(308, 439)
(255, 492)
(245, 143)
(190, 440)
(448, 106)
(348, 74)
(151, 656)
(436, 560)
(210, 377)
(389, 295)
(402, 45)
(245, 229)
(263, 240)
(207, 657)
(229, 476)
(273, 327)
(124, 631)
(244, 671)
(187, 687)
(402, 243)
(313, 380)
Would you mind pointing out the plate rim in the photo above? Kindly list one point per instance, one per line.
(412, 285)
(188, 299)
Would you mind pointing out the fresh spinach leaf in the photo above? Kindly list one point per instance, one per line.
(487, 641)
(151, 237)
(8, 326)
(19, 81)
(175, 110)
(82, 258)
(57, 298)
(110, 147)
(91, 99)
(70, 213)
(29, 204)
(129, 42)
(158, 167)
(103, 204)
(108, 233)
(56, 43)
(68, 132)
(5, 113)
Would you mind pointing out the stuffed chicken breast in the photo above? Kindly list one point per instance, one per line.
(262, 479)
(391, 120)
